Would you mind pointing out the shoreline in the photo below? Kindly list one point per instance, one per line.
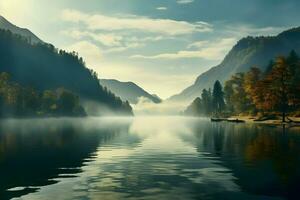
(250, 119)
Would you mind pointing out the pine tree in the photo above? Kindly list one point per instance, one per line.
(218, 98)
(206, 102)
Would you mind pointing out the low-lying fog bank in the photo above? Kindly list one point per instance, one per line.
(147, 107)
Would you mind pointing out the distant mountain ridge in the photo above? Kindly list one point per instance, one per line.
(248, 52)
(128, 91)
(6, 25)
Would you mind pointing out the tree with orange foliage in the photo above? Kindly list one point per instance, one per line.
(278, 93)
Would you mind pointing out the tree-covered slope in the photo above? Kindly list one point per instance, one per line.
(128, 91)
(44, 67)
(248, 52)
(6, 25)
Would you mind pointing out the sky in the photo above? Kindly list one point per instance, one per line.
(162, 45)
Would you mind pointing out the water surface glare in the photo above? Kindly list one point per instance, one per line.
(147, 158)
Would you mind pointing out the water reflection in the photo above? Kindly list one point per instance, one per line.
(264, 159)
(34, 153)
(147, 158)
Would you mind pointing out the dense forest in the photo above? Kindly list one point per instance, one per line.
(43, 67)
(257, 93)
(19, 101)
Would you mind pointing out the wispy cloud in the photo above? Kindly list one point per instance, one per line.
(198, 44)
(109, 39)
(113, 42)
(139, 23)
(185, 1)
(209, 50)
(162, 8)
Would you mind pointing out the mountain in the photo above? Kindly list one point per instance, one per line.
(6, 25)
(128, 91)
(248, 52)
(43, 67)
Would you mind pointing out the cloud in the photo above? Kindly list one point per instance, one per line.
(109, 39)
(161, 8)
(185, 1)
(206, 50)
(138, 23)
(113, 42)
(146, 39)
(128, 45)
(198, 44)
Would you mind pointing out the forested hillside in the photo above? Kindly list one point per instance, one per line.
(272, 92)
(44, 67)
(21, 101)
(6, 25)
(248, 52)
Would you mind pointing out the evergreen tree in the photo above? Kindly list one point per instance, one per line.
(195, 109)
(293, 61)
(228, 96)
(206, 102)
(218, 98)
(269, 67)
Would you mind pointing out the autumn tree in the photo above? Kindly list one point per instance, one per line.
(279, 89)
(252, 86)
(235, 94)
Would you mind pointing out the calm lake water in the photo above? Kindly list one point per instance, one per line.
(147, 158)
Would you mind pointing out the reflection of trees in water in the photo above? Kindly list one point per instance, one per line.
(218, 135)
(35, 154)
(264, 159)
(283, 152)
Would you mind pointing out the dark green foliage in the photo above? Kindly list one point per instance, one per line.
(201, 106)
(47, 68)
(18, 101)
(218, 98)
(195, 109)
(269, 67)
(206, 97)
